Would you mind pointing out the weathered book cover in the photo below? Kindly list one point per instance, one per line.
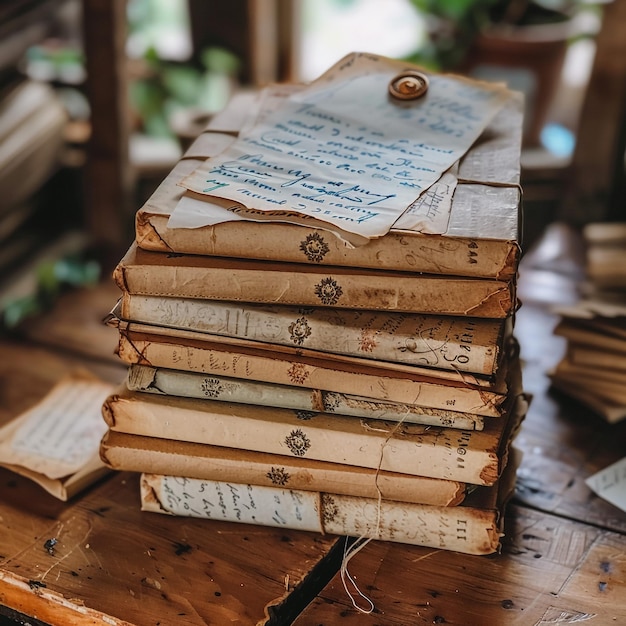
(612, 412)
(481, 239)
(474, 527)
(136, 453)
(191, 385)
(192, 352)
(496, 383)
(475, 457)
(241, 280)
(463, 344)
(582, 332)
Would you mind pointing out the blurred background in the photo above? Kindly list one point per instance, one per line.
(99, 99)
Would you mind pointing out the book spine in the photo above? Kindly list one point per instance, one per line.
(449, 343)
(399, 251)
(187, 384)
(223, 360)
(412, 293)
(461, 455)
(140, 454)
(467, 530)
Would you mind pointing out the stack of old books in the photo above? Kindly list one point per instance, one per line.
(593, 369)
(278, 376)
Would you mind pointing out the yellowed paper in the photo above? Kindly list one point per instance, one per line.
(342, 152)
(57, 440)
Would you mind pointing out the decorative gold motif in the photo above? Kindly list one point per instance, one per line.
(212, 388)
(367, 340)
(328, 290)
(299, 331)
(298, 373)
(314, 247)
(278, 476)
(305, 415)
(297, 442)
(330, 510)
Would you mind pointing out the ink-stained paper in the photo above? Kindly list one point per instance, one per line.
(60, 434)
(342, 152)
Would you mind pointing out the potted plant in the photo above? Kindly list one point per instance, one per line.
(521, 41)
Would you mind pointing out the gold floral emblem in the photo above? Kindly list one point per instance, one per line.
(305, 415)
(330, 400)
(299, 331)
(314, 247)
(330, 508)
(328, 290)
(211, 387)
(297, 442)
(278, 476)
(298, 373)
(367, 340)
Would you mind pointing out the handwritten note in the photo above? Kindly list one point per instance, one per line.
(610, 484)
(248, 504)
(60, 434)
(343, 152)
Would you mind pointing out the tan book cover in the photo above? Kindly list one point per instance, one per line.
(152, 455)
(241, 280)
(583, 333)
(496, 383)
(470, 456)
(474, 527)
(463, 344)
(583, 354)
(481, 239)
(612, 412)
(191, 385)
(189, 352)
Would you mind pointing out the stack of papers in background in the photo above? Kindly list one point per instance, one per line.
(324, 375)
(593, 369)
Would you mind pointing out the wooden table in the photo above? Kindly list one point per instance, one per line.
(563, 557)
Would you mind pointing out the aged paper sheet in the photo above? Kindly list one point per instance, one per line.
(342, 152)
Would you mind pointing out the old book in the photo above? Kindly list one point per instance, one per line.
(610, 411)
(151, 455)
(191, 385)
(607, 389)
(474, 527)
(195, 352)
(453, 343)
(583, 332)
(591, 374)
(241, 280)
(583, 354)
(475, 457)
(480, 239)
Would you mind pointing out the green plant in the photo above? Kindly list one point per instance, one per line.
(452, 25)
(165, 86)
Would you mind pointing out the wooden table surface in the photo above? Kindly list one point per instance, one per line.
(564, 551)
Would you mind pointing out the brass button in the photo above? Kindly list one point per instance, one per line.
(409, 85)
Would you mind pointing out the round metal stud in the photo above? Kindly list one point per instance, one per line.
(408, 85)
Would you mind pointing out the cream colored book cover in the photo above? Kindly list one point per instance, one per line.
(241, 280)
(475, 457)
(245, 391)
(201, 356)
(474, 527)
(442, 342)
(152, 455)
(481, 239)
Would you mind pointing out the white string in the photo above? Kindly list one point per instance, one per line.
(361, 542)
(348, 553)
